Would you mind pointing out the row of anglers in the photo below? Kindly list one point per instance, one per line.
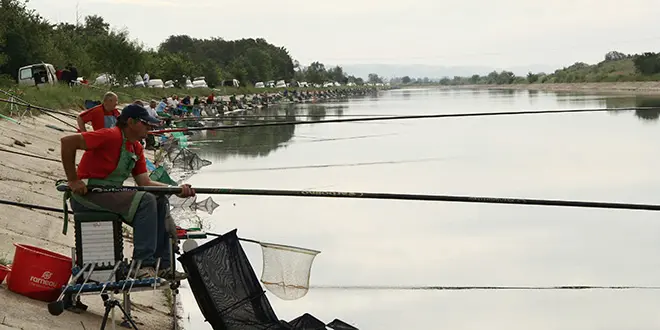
(102, 114)
(186, 106)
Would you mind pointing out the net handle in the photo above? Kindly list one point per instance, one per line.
(271, 245)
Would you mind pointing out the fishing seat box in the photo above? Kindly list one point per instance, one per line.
(99, 240)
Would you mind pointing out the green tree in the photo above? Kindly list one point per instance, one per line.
(374, 78)
(647, 63)
(532, 78)
(316, 73)
(23, 32)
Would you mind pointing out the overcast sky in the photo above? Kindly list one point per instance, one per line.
(497, 33)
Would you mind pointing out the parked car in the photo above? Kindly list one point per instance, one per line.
(155, 83)
(231, 83)
(199, 82)
(37, 74)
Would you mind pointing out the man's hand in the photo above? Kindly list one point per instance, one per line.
(186, 191)
(78, 187)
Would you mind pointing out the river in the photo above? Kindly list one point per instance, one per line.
(605, 156)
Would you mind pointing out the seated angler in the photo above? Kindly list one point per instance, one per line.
(111, 156)
(101, 116)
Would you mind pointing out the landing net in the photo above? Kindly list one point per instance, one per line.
(161, 175)
(208, 205)
(226, 288)
(286, 270)
(188, 160)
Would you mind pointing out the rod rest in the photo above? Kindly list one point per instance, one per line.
(114, 286)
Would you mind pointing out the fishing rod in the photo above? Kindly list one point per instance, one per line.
(447, 115)
(488, 288)
(197, 234)
(232, 116)
(387, 196)
(46, 111)
(29, 155)
(32, 106)
(391, 162)
(32, 206)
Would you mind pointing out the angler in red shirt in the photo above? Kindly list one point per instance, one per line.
(103, 115)
(111, 156)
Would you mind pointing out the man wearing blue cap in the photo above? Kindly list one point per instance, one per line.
(111, 156)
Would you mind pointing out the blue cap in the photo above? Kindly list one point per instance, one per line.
(137, 112)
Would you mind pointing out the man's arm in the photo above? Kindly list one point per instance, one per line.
(81, 124)
(70, 144)
(143, 180)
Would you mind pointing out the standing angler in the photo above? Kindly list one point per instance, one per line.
(111, 156)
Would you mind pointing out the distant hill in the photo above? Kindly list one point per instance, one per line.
(436, 71)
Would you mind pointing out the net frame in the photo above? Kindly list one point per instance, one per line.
(188, 160)
(287, 279)
(207, 205)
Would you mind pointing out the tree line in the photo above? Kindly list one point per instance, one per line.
(94, 48)
(317, 73)
(616, 66)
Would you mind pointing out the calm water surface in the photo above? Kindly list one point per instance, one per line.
(609, 156)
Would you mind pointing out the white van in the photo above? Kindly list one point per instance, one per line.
(280, 84)
(231, 83)
(37, 74)
(200, 82)
(155, 83)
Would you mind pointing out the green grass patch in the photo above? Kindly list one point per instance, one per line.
(4, 260)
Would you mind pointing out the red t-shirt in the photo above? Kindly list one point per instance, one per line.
(102, 154)
(95, 115)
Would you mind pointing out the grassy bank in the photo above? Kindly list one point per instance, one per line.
(65, 97)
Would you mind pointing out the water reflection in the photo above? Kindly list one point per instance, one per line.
(636, 101)
(316, 112)
(251, 142)
(405, 243)
(245, 142)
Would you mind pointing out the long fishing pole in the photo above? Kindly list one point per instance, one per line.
(231, 116)
(32, 206)
(447, 115)
(387, 196)
(444, 287)
(46, 111)
(391, 162)
(32, 106)
(30, 155)
(488, 288)
(18, 100)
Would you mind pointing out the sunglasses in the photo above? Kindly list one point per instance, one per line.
(147, 123)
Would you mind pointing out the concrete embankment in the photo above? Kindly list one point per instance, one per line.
(32, 180)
